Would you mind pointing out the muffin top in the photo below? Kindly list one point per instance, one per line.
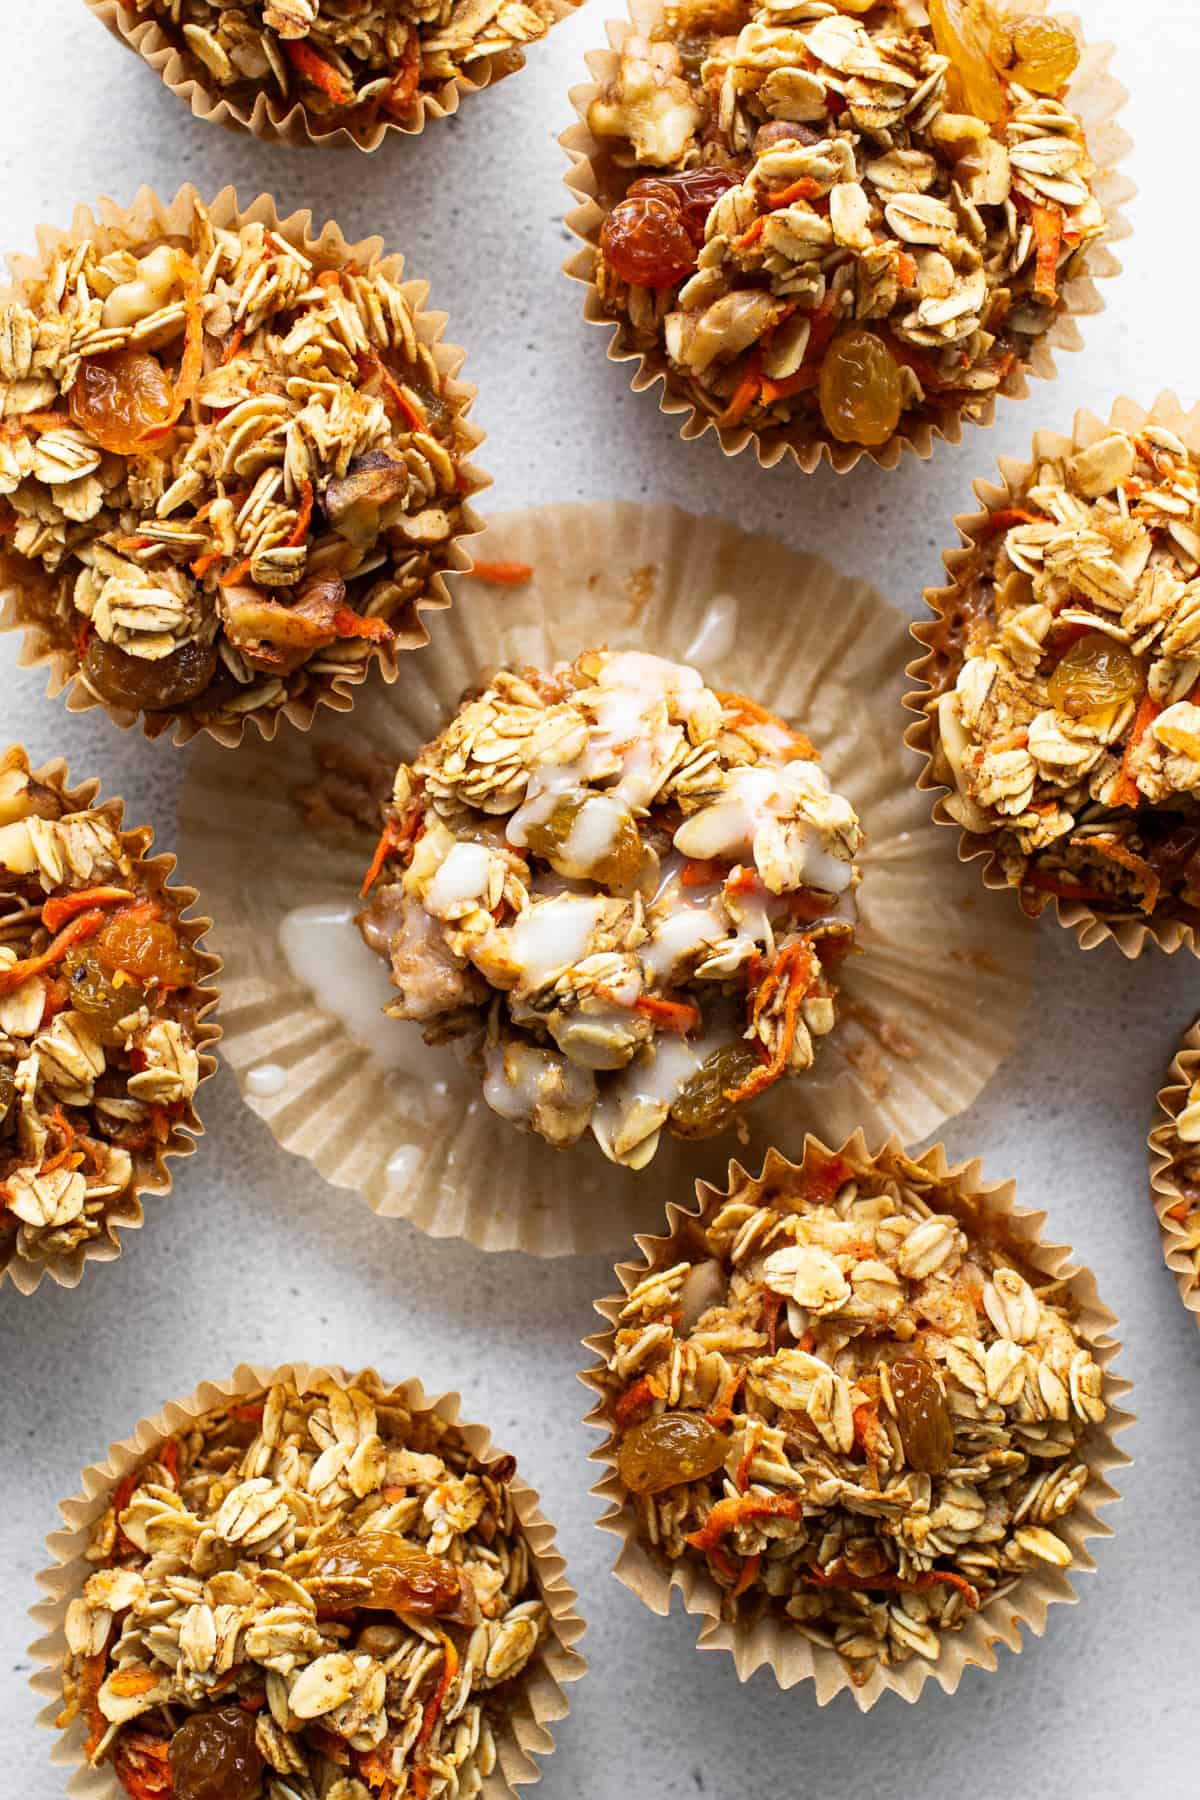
(357, 65)
(623, 891)
(843, 1390)
(325, 1583)
(99, 997)
(852, 218)
(1066, 675)
(233, 467)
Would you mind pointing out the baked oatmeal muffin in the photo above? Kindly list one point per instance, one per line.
(1175, 1168)
(315, 1591)
(231, 466)
(102, 1044)
(624, 893)
(842, 1390)
(842, 222)
(1065, 676)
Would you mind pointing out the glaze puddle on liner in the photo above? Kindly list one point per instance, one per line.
(715, 636)
(326, 955)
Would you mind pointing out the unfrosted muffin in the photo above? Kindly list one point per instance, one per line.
(624, 893)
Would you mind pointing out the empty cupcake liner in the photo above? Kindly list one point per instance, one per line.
(24, 585)
(1164, 1190)
(283, 120)
(770, 1642)
(1094, 94)
(419, 1142)
(539, 1697)
(1130, 935)
(151, 1175)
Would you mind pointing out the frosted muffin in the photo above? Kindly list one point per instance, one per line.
(849, 1395)
(623, 893)
(842, 223)
(1065, 680)
(318, 1590)
(101, 1040)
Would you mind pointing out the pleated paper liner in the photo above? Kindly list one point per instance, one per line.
(539, 1698)
(24, 585)
(771, 1641)
(1132, 932)
(1094, 95)
(151, 1174)
(824, 651)
(282, 119)
(1164, 1189)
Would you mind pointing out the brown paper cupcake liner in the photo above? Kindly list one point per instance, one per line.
(790, 1655)
(1130, 935)
(24, 585)
(1164, 1191)
(284, 120)
(540, 1700)
(813, 645)
(153, 1176)
(1094, 94)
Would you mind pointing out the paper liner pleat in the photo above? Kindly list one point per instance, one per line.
(283, 119)
(1132, 934)
(770, 1641)
(1164, 1192)
(820, 648)
(125, 1213)
(1094, 95)
(25, 586)
(538, 1699)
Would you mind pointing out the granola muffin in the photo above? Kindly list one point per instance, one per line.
(1064, 677)
(102, 1044)
(308, 1590)
(1175, 1169)
(625, 895)
(844, 1391)
(359, 66)
(232, 465)
(840, 222)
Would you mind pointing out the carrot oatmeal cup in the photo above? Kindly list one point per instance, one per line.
(623, 894)
(1174, 1145)
(104, 1035)
(306, 1581)
(234, 464)
(859, 1414)
(324, 72)
(1063, 675)
(833, 227)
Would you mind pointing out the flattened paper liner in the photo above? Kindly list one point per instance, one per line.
(285, 120)
(125, 1212)
(1094, 95)
(1129, 934)
(790, 1655)
(539, 1699)
(25, 585)
(1163, 1191)
(821, 649)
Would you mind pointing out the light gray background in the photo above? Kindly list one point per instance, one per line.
(254, 1257)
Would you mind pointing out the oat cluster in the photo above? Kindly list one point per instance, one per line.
(232, 466)
(862, 1413)
(351, 62)
(623, 892)
(1067, 676)
(98, 1005)
(896, 218)
(317, 1593)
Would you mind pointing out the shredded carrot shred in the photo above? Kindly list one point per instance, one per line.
(728, 1513)
(204, 563)
(85, 926)
(1137, 865)
(168, 1456)
(746, 710)
(56, 912)
(637, 1397)
(323, 76)
(679, 1016)
(393, 837)
(741, 1479)
(1008, 516)
(349, 624)
(1048, 236)
(299, 530)
(236, 340)
(747, 1575)
(906, 269)
(43, 421)
(1125, 790)
(236, 573)
(894, 1584)
(503, 574)
(1179, 1212)
(745, 392)
(801, 382)
(699, 873)
(722, 1412)
(751, 235)
(796, 965)
(437, 1701)
(415, 420)
(91, 1679)
(402, 90)
(804, 189)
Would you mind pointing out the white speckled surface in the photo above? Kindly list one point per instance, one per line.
(255, 1257)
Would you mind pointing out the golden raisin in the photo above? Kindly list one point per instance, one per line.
(383, 1572)
(701, 1108)
(861, 393)
(1046, 55)
(668, 1448)
(119, 397)
(146, 686)
(961, 31)
(589, 837)
(922, 1416)
(694, 191)
(215, 1756)
(651, 238)
(93, 991)
(148, 950)
(1094, 677)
